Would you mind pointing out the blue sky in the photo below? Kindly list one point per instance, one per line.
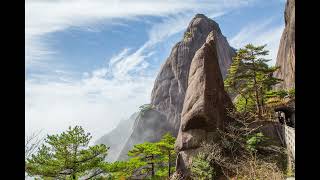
(93, 62)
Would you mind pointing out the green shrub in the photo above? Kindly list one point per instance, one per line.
(187, 35)
(242, 106)
(201, 168)
(254, 140)
(292, 92)
(144, 108)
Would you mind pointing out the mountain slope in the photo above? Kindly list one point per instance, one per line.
(117, 138)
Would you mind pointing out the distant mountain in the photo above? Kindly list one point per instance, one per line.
(117, 137)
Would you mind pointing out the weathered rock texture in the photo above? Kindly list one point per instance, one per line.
(171, 83)
(286, 52)
(204, 108)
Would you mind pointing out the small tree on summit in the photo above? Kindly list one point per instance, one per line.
(67, 156)
(144, 108)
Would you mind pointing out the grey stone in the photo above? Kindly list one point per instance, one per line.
(286, 53)
(204, 108)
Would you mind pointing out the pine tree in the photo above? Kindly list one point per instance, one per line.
(250, 76)
(148, 153)
(166, 146)
(66, 155)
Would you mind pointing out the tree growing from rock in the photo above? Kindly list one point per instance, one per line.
(67, 156)
(144, 108)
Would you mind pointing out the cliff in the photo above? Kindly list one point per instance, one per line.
(286, 52)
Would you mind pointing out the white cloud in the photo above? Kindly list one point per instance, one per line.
(260, 33)
(43, 17)
(100, 98)
(94, 102)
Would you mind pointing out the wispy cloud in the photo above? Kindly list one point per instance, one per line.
(100, 98)
(260, 33)
(43, 17)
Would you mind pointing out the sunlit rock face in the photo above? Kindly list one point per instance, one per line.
(171, 83)
(170, 86)
(286, 53)
(205, 104)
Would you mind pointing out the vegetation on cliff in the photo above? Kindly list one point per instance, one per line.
(240, 149)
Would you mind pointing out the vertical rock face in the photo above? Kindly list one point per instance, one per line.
(171, 83)
(205, 103)
(286, 52)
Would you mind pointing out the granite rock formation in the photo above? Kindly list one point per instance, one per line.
(171, 83)
(286, 52)
(205, 104)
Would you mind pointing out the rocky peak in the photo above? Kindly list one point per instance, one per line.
(170, 86)
(171, 83)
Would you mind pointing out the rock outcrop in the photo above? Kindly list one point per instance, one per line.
(171, 83)
(205, 104)
(286, 52)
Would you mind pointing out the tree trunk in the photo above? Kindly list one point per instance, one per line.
(245, 106)
(256, 88)
(169, 165)
(257, 103)
(152, 166)
(262, 102)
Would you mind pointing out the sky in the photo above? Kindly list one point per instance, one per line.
(93, 62)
